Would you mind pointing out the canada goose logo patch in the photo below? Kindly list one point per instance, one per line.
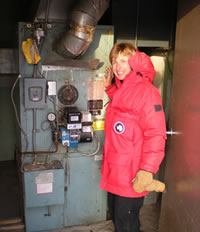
(119, 127)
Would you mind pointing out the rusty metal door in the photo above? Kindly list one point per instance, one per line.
(180, 208)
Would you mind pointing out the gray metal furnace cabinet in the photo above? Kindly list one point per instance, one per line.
(44, 199)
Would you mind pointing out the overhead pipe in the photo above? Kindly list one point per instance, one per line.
(75, 41)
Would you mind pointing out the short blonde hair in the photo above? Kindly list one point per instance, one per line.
(126, 49)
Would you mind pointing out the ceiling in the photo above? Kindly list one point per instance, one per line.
(154, 24)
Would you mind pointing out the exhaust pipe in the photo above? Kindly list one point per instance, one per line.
(75, 41)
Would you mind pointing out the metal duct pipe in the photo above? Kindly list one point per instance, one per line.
(75, 41)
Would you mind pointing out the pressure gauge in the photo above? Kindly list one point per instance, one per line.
(51, 117)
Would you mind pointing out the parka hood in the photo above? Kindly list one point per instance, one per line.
(141, 63)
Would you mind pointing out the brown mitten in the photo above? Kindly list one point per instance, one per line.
(142, 179)
(156, 186)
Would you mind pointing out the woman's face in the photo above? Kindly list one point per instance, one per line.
(120, 66)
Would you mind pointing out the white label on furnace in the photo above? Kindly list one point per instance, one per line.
(44, 188)
(44, 183)
(42, 178)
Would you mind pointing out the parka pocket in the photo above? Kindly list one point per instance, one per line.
(120, 169)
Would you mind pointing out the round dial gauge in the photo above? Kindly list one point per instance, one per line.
(51, 117)
(68, 94)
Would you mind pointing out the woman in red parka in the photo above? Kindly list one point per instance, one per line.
(135, 134)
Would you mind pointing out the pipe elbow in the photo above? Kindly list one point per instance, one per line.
(75, 41)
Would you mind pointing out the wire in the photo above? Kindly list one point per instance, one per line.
(17, 118)
(54, 103)
(40, 72)
(47, 12)
(96, 151)
(42, 125)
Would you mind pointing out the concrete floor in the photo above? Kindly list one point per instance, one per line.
(149, 218)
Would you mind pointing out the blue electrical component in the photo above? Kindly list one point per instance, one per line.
(64, 137)
(67, 138)
(74, 143)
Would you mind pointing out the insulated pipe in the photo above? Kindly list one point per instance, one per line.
(75, 41)
(43, 152)
(35, 153)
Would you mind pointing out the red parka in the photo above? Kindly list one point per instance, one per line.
(135, 129)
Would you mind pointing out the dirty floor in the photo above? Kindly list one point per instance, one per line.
(149, 218)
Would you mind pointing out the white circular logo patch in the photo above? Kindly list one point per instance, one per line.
(119, 127)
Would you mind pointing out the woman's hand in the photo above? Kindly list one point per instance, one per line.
(108, 79)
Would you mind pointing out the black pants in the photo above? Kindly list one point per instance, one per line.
(125, 212)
